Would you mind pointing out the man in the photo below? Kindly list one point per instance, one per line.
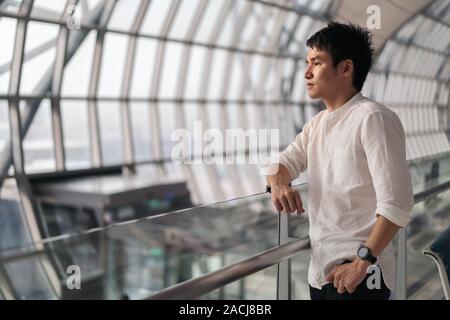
(359, 185)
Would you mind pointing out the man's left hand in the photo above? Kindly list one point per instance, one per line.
(348, 276)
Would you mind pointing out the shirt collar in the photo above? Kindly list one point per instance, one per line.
(353, 100)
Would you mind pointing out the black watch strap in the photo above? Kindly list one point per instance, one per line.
(372, 259)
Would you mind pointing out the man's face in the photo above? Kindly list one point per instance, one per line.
(321, 78)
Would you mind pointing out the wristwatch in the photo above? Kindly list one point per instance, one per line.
(364, 253)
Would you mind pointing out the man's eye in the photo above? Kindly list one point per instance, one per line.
(317, 63)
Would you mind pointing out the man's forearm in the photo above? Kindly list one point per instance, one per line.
(284, 197)
(280, 175)
(383, 233)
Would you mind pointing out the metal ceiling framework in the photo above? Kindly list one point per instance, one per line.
(411, 77)
(252, 96)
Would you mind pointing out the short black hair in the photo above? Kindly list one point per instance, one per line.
(346, 41)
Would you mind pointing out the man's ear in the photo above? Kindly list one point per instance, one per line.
(347, 68)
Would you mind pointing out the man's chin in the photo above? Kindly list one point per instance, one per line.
(313, 95)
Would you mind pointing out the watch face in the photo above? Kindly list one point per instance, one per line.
(363, 252)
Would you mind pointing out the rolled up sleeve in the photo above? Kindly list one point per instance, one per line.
(383, 139)
(294, 158)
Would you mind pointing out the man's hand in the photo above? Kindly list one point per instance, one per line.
(348, 276)
(286, 198)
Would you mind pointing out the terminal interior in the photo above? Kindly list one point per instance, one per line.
(92, 92)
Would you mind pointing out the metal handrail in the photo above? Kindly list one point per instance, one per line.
(423, 195)
(194, 288)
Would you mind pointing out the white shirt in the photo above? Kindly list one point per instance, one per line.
(356, 163)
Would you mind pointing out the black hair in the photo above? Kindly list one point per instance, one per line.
(346, 41)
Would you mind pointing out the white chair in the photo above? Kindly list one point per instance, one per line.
(439, 251)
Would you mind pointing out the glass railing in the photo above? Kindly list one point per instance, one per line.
(238, 249)
(430, 171)
(417, 276)
(137, 259)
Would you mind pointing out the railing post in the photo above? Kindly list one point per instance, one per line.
(284, 267)
(401, 265)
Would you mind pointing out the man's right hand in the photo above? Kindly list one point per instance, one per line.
(286, 198)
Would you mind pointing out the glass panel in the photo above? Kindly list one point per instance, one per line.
(321, 5)
(168, 125)
(195, 72)
(141, 130)
(251, 25)
(238, 76)
(272, 82)
(124, 15)
(234, 117)
(13, 230)
(143, 66)
(209, 20)
(87, 9)
(171, 70)
(214, 116)
(38, 145)
(192, 117)
(289, 29)
(263, 285)
(184, 19)
(48, 9)
(252, 179)
(255, 73)
(7, 34)
(299, 86)
(77, 72)
(229, 27)
(137, 259)
(110, 132)
(39, 56)
(216, 74)
(113, 64)
(268, 29)
(62, 220)
(76, 134)
(225, 181)
(155, 17)
(29, 279)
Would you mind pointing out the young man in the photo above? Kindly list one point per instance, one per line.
(359, 185)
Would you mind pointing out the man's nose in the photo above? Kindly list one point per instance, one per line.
(308, 74)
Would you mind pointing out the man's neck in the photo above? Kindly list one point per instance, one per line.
(339, 100)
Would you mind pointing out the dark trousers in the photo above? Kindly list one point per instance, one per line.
(362, 292)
